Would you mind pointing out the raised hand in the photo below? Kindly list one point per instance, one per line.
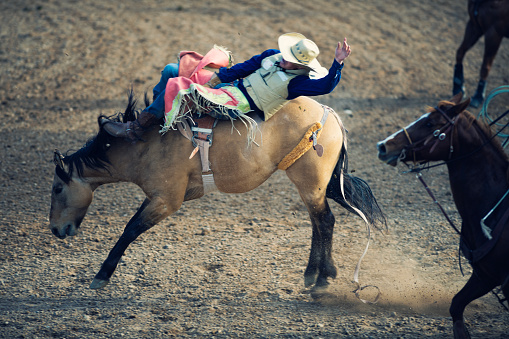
(342, 52)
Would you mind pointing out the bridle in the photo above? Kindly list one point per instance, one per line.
(439, 135)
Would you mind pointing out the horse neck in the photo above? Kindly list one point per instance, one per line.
(133, 161)
(98, 176)
(477, 174)
(122, 162)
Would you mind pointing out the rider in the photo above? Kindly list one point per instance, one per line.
(268, 81)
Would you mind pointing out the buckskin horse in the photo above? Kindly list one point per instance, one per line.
(161, 166)
(478, 173)
(491, 19)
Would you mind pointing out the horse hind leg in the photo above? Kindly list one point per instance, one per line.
(471, 36)
(311, 180)
(492, 43)
(321, 265)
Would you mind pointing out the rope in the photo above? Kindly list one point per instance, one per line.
(483, 114)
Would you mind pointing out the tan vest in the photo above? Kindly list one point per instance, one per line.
(268, 86)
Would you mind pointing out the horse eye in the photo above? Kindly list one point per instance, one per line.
(57, 190)
(429, 124)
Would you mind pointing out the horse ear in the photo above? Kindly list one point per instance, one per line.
(457, 98)
(460, 107)
(58, 159)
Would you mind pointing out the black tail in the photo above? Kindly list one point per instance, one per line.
(357, 193)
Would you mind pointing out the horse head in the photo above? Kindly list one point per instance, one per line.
(71, 194)
(70, 199)
(429, 138)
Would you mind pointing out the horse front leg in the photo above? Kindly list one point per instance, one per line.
(492, 41)
(475, 288)
(321, 265)
(472, 34)
(150, 213)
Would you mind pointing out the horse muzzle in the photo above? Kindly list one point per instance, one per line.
(69, 229)
(390, 158)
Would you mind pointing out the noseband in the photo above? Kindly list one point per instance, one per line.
(439, 135)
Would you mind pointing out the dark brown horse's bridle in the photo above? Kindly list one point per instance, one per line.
(439, 135)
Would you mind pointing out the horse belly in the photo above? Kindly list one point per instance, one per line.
(239, 172)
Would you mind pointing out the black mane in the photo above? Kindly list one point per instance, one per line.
(483, 126)
(489, 134)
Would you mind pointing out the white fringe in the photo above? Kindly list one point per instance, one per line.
(201, 104)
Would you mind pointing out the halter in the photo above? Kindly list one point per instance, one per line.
(439, 135)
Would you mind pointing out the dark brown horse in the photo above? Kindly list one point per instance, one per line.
(491, 19)
(478, 174)
(160, 165)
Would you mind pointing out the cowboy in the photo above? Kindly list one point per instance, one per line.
(266, 82)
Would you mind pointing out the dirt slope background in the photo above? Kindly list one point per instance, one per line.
(227, 265)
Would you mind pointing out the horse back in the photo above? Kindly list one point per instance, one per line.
(240, 165)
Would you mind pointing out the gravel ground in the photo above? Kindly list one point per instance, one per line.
(227, 265)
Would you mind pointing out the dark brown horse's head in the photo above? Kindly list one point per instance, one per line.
(429, 138)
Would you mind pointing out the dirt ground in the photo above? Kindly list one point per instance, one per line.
(227, 265)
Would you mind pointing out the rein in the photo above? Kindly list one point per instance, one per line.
(440, 135)
(419, 176)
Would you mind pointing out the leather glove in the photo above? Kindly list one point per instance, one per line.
(213, 82)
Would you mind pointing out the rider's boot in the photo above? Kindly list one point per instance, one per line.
(131, 130)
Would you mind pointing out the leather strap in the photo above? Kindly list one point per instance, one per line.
(201, 137)
(202, 140)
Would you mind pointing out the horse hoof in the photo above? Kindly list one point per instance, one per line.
(460, 330)
(310, 279)
(98, 283)
(320, 293)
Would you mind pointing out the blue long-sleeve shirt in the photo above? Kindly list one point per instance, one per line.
(300, 85)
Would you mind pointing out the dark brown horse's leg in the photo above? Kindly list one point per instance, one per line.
(136, 226)
(321, 265)
(475, 288)
(492, 41)
(472, 34)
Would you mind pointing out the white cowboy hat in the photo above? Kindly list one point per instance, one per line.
(299, 50)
